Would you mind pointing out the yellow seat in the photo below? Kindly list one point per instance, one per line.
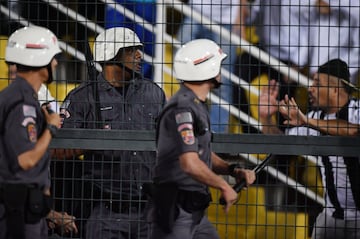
(3, 82)
(4, 72)
(235, 126)
(250, 219)
(60, 90)
(171, 85)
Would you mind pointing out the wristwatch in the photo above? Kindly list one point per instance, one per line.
(232, 167)
(53, 129)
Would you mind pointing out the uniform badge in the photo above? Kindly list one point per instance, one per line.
(187, 133)
(32, 132)
(188, 136)
(185, 128)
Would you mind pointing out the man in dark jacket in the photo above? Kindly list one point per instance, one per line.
(120, 99)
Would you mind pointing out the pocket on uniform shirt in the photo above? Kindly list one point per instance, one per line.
(109, 118)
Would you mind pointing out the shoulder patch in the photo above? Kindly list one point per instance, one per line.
(185, 127)
(188, 136)
(184, 117)
(32, 132)
(27, 121)
(29, 110)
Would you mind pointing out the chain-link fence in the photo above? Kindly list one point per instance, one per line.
(276, 50)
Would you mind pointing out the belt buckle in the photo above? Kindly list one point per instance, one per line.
(124, 206)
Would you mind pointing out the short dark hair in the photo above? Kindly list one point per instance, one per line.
(339, 69)
(22, 68)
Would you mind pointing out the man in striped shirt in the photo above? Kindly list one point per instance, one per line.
(333, 112)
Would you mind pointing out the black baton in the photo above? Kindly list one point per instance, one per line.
(240, 185)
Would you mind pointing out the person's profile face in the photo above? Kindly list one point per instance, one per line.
(53, 65)
(131, 57)
(319, 92)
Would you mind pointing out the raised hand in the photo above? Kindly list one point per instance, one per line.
(290, 110)
(268, 103)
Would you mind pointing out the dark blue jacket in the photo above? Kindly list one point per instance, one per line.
(135, 107)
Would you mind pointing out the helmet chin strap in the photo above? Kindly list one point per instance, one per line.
(216, 83)
(50, 73)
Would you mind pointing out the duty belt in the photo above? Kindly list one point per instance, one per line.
(125, 206)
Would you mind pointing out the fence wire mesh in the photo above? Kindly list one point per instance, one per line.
(275, 84)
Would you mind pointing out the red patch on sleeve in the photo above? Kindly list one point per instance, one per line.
(187, 136)
(187, 133)
(32, 132)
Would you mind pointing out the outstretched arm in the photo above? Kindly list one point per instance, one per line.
(239, 24)
(290, 110)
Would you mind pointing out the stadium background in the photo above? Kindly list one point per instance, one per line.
(288, 193)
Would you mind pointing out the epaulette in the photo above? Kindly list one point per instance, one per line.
(5, 108)
(146, 81)
(171, 103)
(78, 89)
(182, 101)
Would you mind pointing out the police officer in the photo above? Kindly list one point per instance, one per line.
(186, 166)
(56, 220)
(26, 130)
(122, 100)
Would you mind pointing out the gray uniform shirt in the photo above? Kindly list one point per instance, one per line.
(22, 123)
(183, 127)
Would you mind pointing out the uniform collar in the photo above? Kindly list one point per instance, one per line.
(184, 89)
(104, 84)
(25, 87)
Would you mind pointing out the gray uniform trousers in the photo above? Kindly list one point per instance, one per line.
(105, 224)
(184, 228)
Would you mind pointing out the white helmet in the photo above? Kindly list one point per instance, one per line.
(108, 43)
(198, 60)
(32, 46)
